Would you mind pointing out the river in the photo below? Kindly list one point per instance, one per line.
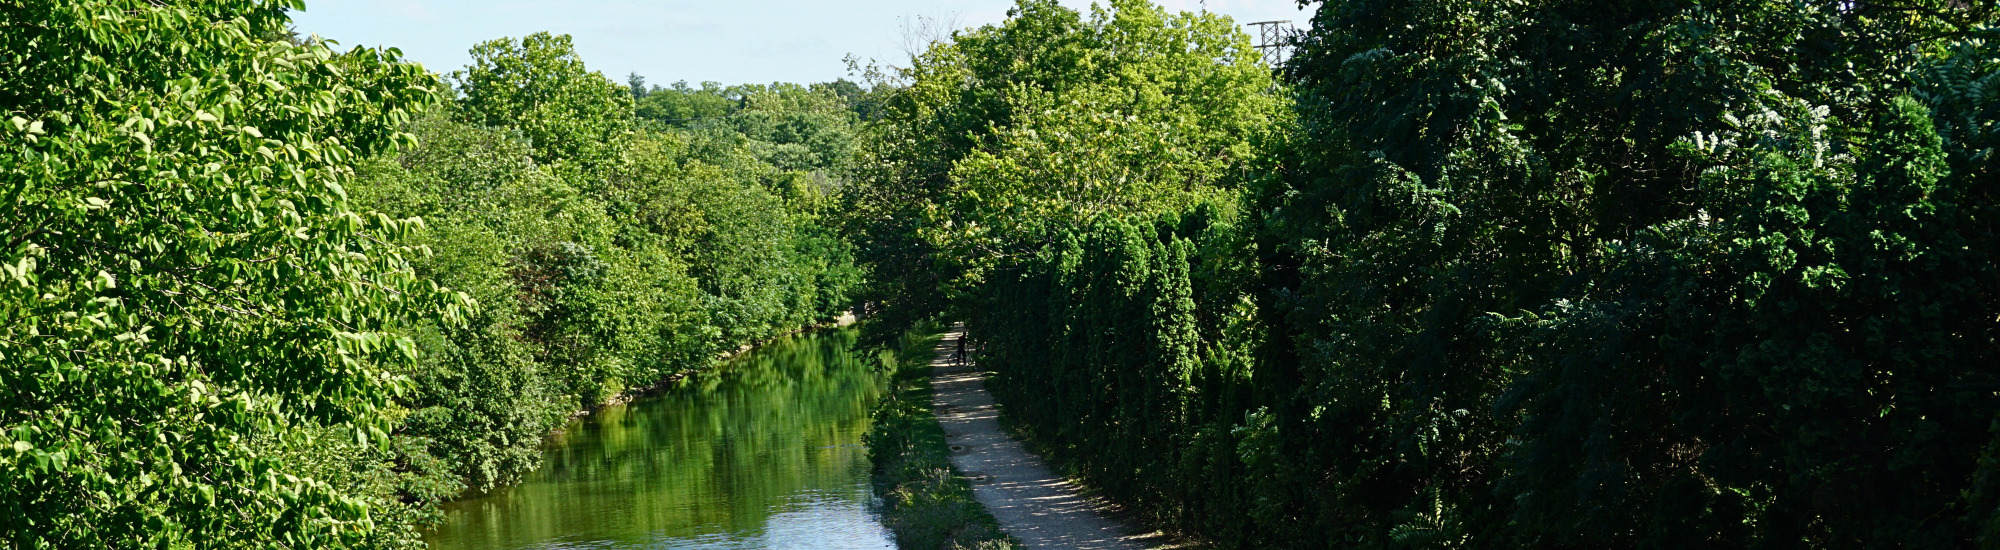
(763, 452)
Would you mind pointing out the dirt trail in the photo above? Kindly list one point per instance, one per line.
(1032, 503)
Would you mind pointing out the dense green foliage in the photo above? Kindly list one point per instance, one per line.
(1468, 274)
(1123, 349)
(1005, 172)
(1553, 274)
(212, 339)
(539, 87)
(927, 503)
(608, 256)
(197, 335)
(1638, 275)
(809, 129)
(1010, 132)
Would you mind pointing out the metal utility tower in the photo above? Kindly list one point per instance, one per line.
(1275, 41)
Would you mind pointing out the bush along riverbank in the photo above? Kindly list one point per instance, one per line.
(926, 503)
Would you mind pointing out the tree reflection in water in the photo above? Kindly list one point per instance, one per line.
(762, 452)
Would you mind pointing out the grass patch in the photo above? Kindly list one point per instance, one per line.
(926, 503)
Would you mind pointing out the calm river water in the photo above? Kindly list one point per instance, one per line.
(764, 452)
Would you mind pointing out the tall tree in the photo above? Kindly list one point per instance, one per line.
(1046, 120)
(539, 86)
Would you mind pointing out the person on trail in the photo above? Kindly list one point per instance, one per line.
(959, 358)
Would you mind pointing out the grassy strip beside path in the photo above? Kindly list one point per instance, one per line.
(927, 503)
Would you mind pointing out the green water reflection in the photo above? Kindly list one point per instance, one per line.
(764, 452)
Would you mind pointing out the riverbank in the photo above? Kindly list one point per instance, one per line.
(665, 383)
(764, 453)
(926, 502)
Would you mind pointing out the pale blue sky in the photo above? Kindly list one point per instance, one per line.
(757, 41)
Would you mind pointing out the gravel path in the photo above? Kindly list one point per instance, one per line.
(1032, 503)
